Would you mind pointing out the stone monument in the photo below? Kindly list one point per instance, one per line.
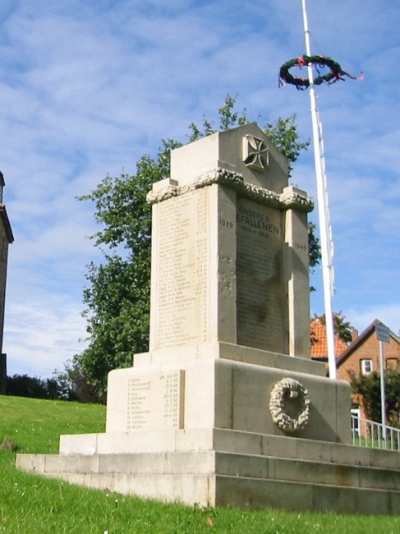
(227, 407)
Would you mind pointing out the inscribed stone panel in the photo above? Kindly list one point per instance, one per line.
(183, 265)
(155, 401)
(260, 315)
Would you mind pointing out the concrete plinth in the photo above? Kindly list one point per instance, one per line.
(218, 385)
(229, 468)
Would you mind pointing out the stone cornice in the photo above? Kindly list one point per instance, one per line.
(296, 199)
(290, 199)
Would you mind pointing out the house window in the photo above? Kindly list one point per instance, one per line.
(366, 367)
(391, 363)
(356, 422)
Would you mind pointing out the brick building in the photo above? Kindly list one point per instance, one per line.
(362, 355)
(6, 238)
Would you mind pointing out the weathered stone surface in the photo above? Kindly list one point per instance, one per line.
(214, 477)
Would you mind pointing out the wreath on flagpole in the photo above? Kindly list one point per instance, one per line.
(335, 71)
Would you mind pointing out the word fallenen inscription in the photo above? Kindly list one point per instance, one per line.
(259, 284)
(156, 401)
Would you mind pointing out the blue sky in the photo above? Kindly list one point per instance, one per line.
(88, 86)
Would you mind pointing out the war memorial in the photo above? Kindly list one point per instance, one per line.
(227, 408)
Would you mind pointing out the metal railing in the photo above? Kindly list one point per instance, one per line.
(366, 433)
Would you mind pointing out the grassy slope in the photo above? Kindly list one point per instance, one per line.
(33, 505)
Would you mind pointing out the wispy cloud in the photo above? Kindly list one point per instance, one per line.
(88, 87)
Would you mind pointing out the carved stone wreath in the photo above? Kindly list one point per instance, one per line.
(289, 405)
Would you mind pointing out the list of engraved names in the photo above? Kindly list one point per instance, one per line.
(182, 298)
(155, 401)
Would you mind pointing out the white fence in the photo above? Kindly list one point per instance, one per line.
(367, 433)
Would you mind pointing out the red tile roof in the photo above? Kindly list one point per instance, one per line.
(319, 347)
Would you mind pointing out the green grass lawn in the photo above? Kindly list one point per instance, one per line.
(33, 505)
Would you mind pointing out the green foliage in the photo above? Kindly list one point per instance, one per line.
(117, 297)
(228, 118)
(73, 386)
(285, 136)
(67, 385)
(368, 387)
(314, 249)
(29, 503)
(33, 387)
(343, 329)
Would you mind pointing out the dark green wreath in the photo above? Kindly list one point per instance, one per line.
(336, 73)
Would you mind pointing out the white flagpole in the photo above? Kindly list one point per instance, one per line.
(323, 209)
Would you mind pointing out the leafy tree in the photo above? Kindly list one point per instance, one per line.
(283, 133)
(72, 385)
(368, 387)
(33, 387)
(314, 249)
(117, 297)
(343, 329)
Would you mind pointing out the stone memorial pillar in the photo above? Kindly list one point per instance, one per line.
(228, 252)
(229, 298)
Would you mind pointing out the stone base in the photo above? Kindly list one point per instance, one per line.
(220, 385)
(193, 425)
(228, 468)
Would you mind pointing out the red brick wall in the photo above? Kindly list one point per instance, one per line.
(368, 349)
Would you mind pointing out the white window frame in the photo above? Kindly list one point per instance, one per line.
(356, 422)
(367, 366)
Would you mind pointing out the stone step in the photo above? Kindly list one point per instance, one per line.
(230, 441)
(137, 475)
(219, 463)
(302, 496)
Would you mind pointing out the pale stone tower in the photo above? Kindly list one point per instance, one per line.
(6, 238)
